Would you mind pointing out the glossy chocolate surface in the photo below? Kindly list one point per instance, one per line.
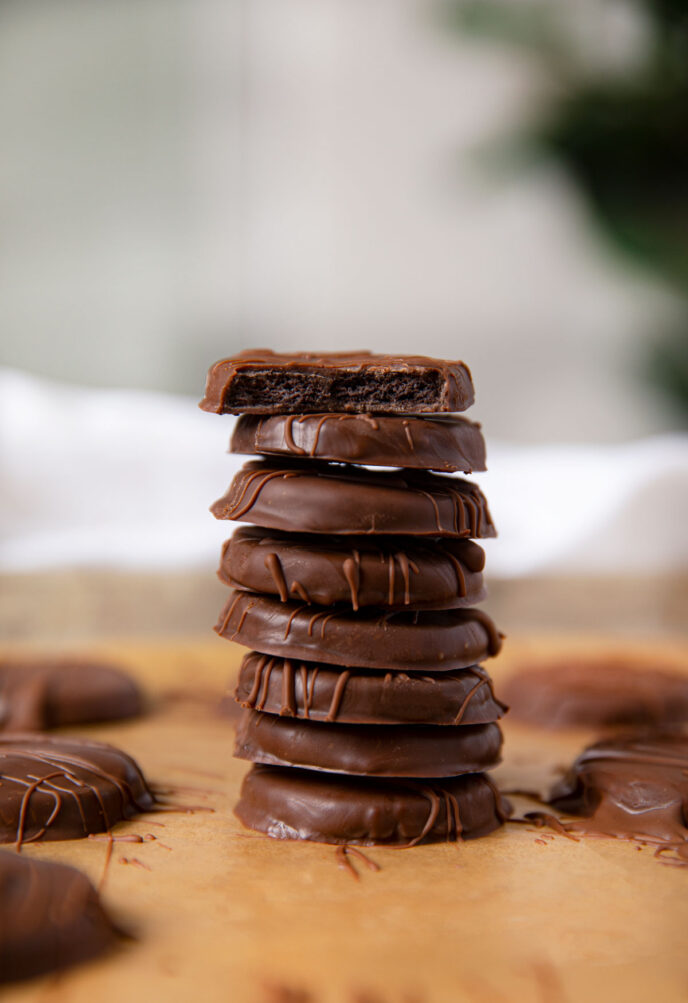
(65, 788)
(422, 641)
(368, 750)
(388, 571)
(46, 693)
(320, 692)
(631, 787)
(448, 444)
(314, 498)
(297, 804)
(597, 692)
(50, 918)
(264, 382)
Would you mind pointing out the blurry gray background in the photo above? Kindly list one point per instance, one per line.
(182, 179)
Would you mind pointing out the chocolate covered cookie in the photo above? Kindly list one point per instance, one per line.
(422, 641)
(264, 382)
(387, 571)
(316, 498)
(41, 693)
(321, 692)
(298, 804)
(596, 692)
(50, 918)
(631, 787)
(448, 444)
(60, 788)
(368, 750)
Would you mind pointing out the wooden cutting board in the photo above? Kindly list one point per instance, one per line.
(218, 913)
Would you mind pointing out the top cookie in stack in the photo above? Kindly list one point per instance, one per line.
(263, 382)
(367, 709)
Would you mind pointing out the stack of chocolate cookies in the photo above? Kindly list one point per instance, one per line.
(367, 711)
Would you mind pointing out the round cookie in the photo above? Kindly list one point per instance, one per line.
(326, 693)
(315, 498)
(596, 692)
(53, 692)
(59, 788)
(422, 641)
(298, 804)
(444, 443)
(50, 918)
(393, 750)
(390, 572)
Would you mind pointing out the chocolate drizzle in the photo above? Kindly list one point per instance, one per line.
(351, 567)
(483, 680)
(343, 854)
(437, 796)
(272, 563)
(288, 435)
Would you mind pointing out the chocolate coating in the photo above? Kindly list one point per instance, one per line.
(59, 788)
(297, 804)
(310, 498)
(449, 444)
(388, 572)
(263, 382)
(50, 692)
(632, 787)
(397, 640)
(369, 750)
(326, 693)
(597, 692)
(50, 918)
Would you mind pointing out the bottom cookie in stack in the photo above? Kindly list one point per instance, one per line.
(365, 811)
(350, 756)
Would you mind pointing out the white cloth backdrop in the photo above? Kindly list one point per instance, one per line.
(123, 479)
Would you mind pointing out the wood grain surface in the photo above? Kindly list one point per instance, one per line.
(218, 913)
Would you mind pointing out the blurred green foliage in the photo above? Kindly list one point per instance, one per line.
(621, 134)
